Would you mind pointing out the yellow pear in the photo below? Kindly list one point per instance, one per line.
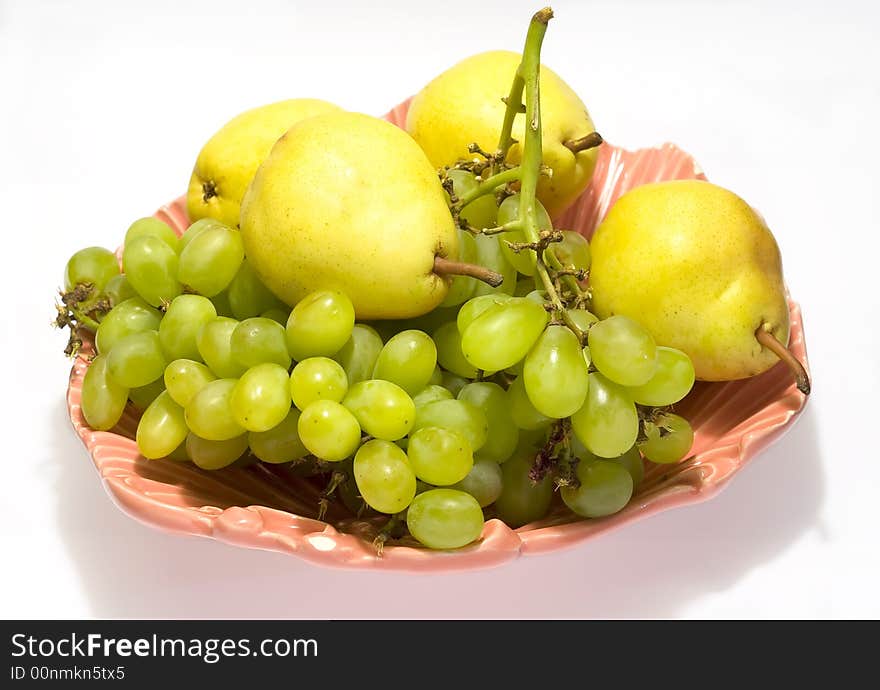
(463, 106)
(349, 202)
(227, 162)
(699, 268)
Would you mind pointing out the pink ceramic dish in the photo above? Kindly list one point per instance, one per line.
(268, 507)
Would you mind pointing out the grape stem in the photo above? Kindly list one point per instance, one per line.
(446, 267)
(767, 339)
(509, 226)
(489, 185)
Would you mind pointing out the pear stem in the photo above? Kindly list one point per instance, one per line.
(590, 141)
(801, 377)
(446, 267)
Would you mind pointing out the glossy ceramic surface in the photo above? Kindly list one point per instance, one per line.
(269, 507)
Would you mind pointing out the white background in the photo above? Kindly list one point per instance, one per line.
(103, 108)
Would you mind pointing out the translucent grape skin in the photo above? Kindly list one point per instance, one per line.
(359, 353)
(502, 434)
(672, 380)
(209, 262)
(448, 342)
(572, 252)
(524, 261)
(248, 296)
(151, 267)
(319, 325)
(128, 317)
(329, 431)
(631, 460)
(555, 374)
(215, 455)
(214, 342)
(453, 383)
(407, 359)
(503, 334)
(605, 488)
(483, 482)
(445, 518)
(195, 229)
(384, 476)
(439, 456)
(118, 289)
(209, 413)
(103, 400)
(623, 350)
(430, 394)
(462, 288)
(317, 378)
(181, 324)
(480, 213)
(261, 398)
(281, 443)
(455, 415)
(143, 396)
(608, 423)
(162, 428)
(669, 439)
(137, 359)
(184, 378)
(383, 409)
(93, 266)
(155, 228)
(258, 340)
(490, 255)
(523, 413)
(522, 501)
(471, 309)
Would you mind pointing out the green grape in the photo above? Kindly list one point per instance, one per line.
(490, 255)
(632, 461)
(436, 376)
(91, 266)
(184, 378)
(143, 396)
(439, 456)
(524, 261)
(155, 228)
(261, 398)
(209, 412)
(448, 342)
(524, 286)
(181, 324)
(502, 435)
(521, 500)
(555, 374)
(453, 382)
(215, 455)
(195, 230)
(179, 454)
(317, 378)
(481, 212)
(329, 431)
(258, 340)
(221, 304)
(462, 288)
(151, 267)
(669, 438)
(455, 415)
(384, 476)
(408, 360)
(605, 488)
(475, 306)
(162, 428)
(572, 252)
(582, 318)
(103, 400)
(214, 341)
(136, 359)
(319, 325)
(118, 289)
(278, 315)
(248, 296)
(445, 518)
(383, 409)
(430, 394)
(358, 355)
(281, 443)
(503, 334)
(623, 351)
(672, 380)
(608, 423)
(537, 296)
(523, 413)
(483, 482)
(126, 318)
(211, 259)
